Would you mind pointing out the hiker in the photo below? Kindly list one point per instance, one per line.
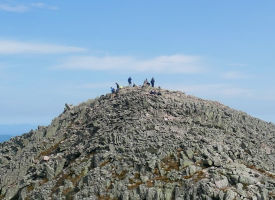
(153, 92)
(153, 82)
(117, 87)
(113, 94)
(113, 90)
(146, 83)
(130, 81)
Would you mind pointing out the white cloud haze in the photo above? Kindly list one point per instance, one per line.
(43, 5)
(21, 8)
(16, 47)
(14, 8)
(167, 64)
(233, 75)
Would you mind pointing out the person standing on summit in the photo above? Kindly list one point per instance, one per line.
(153, 82)
(130, 81)
(117, 87)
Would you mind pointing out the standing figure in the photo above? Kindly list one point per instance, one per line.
(130, 81)
(153, 82)
(117, 87)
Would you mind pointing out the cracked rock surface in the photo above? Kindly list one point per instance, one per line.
(137, 145)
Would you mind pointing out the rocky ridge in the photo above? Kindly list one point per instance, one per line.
(138, 145)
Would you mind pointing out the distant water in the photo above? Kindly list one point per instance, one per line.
(9, 131)
(4, 138)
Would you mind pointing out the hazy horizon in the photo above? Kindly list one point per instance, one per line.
(57, 52)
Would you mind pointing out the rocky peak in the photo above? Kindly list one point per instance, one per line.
(140, 144)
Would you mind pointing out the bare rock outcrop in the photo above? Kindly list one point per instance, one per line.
(136, 145)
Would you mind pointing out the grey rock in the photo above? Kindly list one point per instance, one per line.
(125, 195)
(234, 178)
(222, 183)
(208, 162)
(49, 172)
(144, 179)
(137, 145)
(230, 195)
(151, 194)
(186, 162)
(59, 166)
(189, 153)
(247, 180)
(168, 192)
(264, 194)
(191, 170)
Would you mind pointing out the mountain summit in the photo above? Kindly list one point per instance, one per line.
(140, 144)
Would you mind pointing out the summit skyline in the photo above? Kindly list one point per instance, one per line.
(57, 52)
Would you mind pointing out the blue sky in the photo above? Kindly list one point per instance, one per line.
(54, 52)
